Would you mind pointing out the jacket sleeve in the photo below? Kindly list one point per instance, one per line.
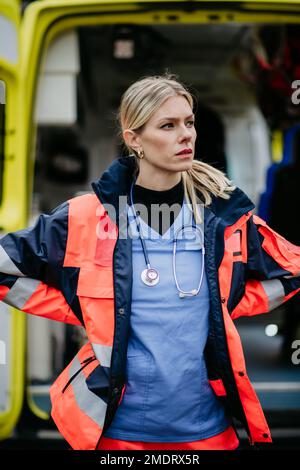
(31, 266)
(272, 270)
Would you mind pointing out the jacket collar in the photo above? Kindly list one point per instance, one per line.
(117, 178)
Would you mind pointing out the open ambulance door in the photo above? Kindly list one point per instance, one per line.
(12, 323)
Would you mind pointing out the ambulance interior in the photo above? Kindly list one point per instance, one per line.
(242, 119)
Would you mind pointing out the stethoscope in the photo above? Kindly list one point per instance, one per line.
(150, 275)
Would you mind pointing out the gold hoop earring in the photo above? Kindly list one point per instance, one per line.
(141, 154)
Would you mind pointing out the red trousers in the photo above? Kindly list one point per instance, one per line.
(226, 440)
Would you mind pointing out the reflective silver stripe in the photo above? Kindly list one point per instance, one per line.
(21, 292)
(277, 386)
(86, 400)
(7, 266)
(274, 291)
(103, 354)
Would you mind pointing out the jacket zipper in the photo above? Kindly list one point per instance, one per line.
(110, 371)
(115, 310)
(212, 240)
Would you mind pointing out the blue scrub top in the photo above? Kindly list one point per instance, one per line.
(168, 397)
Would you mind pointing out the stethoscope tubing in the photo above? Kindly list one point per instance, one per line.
(139, 228)
(194, 291)
(182, 293)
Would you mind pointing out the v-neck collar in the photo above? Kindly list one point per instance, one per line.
(185, 217)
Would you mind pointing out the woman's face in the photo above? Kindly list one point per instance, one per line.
(170, 130)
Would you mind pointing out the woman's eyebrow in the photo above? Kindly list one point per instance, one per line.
(174, 118)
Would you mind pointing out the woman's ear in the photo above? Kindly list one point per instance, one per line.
(132, 139)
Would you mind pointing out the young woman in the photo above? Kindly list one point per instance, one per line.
(156, 288)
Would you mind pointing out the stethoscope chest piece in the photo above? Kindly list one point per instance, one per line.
(150, 277)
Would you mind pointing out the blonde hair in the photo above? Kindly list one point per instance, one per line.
(137, 105)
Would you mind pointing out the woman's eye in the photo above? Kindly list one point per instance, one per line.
(190, 123)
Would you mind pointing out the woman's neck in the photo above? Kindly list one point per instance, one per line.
(159, 220)
(157, 180)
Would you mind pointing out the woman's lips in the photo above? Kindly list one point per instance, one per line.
(185, 154)
(184, 151)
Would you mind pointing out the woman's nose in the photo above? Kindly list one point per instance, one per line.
(186, 134)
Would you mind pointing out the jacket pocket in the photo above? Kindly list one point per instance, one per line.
(95, 293)
(86, 362)
(78, 413)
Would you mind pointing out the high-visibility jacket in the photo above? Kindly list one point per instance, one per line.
(74, 265)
